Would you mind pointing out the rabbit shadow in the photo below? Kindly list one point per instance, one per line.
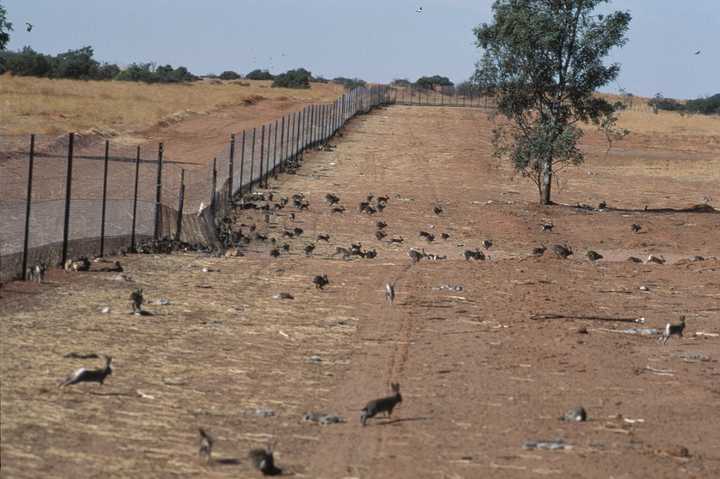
(226, 461)
(390, 422)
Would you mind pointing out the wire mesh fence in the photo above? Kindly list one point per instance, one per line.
(72, 196)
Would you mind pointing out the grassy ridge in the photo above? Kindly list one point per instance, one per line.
(45, 106)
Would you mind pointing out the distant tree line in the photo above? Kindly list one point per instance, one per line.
(442, 83)
(80, 65)
(704, 105)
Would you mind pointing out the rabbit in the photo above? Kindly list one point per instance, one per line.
(386, 405)
(206, 445)
(89, 375)
(263, 461)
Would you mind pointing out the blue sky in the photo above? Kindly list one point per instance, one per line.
(377, 40)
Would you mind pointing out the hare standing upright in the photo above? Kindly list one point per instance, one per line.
(386, 405)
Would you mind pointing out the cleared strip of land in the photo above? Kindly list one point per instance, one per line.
(479, 376)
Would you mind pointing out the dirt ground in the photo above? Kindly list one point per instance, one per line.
(482, 368)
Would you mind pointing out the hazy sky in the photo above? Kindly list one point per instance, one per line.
(377, 40)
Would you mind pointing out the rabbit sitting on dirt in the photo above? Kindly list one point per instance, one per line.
(386, 405)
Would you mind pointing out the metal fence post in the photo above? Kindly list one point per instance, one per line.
(242, 164)
(262, 153)
(231, 168)
(252, 159)
(68, 194)
(104, 199)
(296, 139)
(181, 203)
(26, 242)
(303, 137)
(213, 187)
(158, 193)
(135, 196)
(274, 168)
(282, 139)
(267, 159)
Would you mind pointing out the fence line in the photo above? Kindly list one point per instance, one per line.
(63, 198)
(67, 197)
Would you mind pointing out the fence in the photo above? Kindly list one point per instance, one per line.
(65, 197)
(448, 96)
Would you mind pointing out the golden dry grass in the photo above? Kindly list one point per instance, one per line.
(666, 122)
(44, 106)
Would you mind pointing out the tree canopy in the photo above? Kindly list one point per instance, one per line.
(430, 82)
(5, 28)
(543, 61)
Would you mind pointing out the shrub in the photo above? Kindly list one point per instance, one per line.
(668, 104)
(401, 82)
(107, 71)
(350, 83)
(259, 75)
(430, 82)
(75, 64)
(137, 72)
(146, 72)
(229, 75)
(705, 106)
(299, 78)
(468, 88)
(27, 62)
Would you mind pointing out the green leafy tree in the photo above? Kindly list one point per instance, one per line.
(350, 83)
(27, 62)
(259, 75)
(401, 82)
(299, 78)
(543, 61)
(5, 28)
(229, 75)
(78, 64)
(429, 83)
(706, 106)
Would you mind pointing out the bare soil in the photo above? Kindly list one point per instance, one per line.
(481, 372)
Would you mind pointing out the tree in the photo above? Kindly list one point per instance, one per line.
(259, 75)
(299, 78)
(229, 75)
(27, 62)
(78, 64)
(350, 83)
(429, 83)
(5, 28)
(543, 61)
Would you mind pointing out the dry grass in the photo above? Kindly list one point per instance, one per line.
(44, 106)
(666, 122)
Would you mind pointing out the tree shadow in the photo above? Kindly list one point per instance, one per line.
(700, 208)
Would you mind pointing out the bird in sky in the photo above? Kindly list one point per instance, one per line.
(28, 26)
(698, 52)
(419, 10)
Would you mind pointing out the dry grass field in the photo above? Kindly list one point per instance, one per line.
(483, 366)
(54, 107)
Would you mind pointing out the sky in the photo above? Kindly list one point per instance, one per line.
(377, 40)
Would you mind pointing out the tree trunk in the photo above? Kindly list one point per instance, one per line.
(546, 182)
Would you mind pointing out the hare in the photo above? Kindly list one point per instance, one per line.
(206, 445)
(89, 375)
(386, 405)
(672, 329)
(137, 300)
(263, 461)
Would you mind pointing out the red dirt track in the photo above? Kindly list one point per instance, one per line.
(481, 374)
